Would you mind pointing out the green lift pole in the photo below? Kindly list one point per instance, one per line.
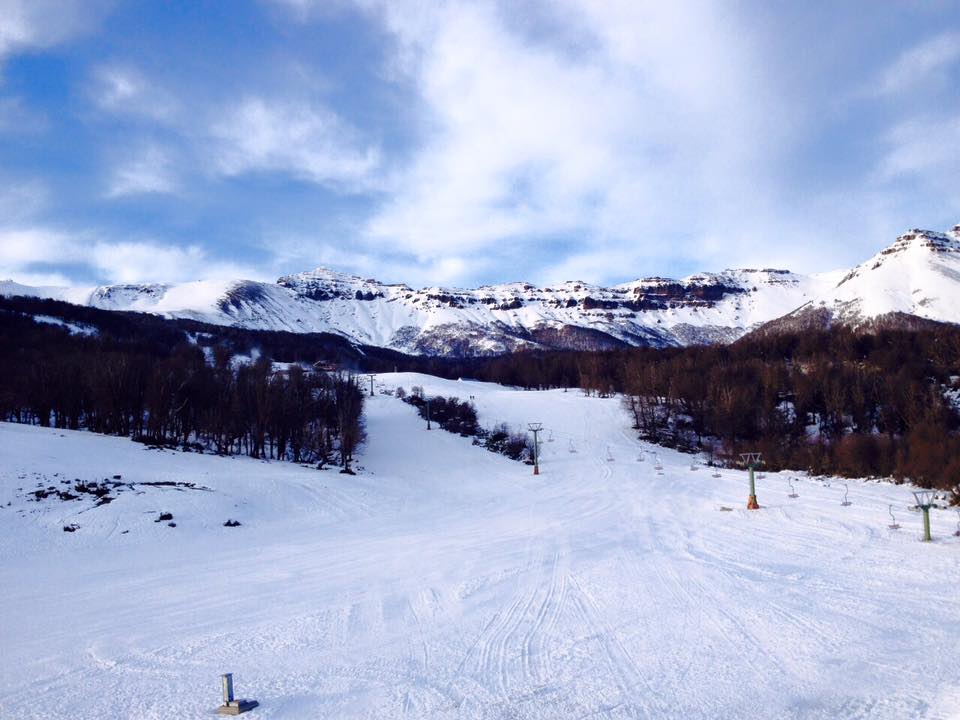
(925, 502)
(751, 460)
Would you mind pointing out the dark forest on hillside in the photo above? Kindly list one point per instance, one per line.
(837, 401)
(159, 388)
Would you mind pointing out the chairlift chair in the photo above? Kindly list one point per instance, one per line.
(846, 496)
(793, 493)
(894, 525)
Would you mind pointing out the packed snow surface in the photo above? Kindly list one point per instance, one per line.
(444, 581)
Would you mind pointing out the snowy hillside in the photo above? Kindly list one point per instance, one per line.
(917, 276)
(708, 307)
(444, 581)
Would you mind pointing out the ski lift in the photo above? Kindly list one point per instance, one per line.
(658, 466)
(894, 525)
(846, 492)
(957, 533)
(925, 500)
(640, 456)
(572, 448)
(716, 472)
(793, 492)
(550, 437)
(609, 455)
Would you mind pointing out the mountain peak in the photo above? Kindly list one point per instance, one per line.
(926, 241)
(917, 276)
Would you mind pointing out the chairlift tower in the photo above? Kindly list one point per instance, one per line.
(925, 502)
(371, 376)
(535, 428)
(751, 460)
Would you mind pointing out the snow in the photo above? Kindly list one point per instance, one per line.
(72, 328)
(444, 581)
(918, 275)
(425, 320)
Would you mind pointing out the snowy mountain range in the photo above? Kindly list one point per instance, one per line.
(918, 276)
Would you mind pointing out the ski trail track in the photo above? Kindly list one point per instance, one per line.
(444, 581)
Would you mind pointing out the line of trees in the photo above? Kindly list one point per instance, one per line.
(177, 396)
(460, 416)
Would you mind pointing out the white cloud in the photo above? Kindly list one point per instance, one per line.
(27, 253)
(657, 116)
(924, 153)
(305, 140)
(150, 170)
(123, 90)
(924, 146)
(228, 138)
(629, 137)
(133, 262)
(20, 199)
(20, 247)
(28, 24)
(920, 63)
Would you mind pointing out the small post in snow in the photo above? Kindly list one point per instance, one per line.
(226, 683)
(230, 705)
(751, 460)
(371, 376)
(925, 502)
(428, 414)
(535, 428)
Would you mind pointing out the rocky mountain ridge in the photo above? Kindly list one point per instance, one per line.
(917, 276)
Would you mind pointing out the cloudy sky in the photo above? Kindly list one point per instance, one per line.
(438, 142)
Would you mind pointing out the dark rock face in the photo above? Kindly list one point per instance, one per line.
(243, 293)
(573, 337)
(669, 294)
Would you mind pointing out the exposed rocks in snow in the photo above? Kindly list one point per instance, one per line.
(918, 275)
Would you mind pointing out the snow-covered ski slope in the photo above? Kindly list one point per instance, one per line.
(444, 581)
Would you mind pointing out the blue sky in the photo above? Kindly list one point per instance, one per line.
(464, 143)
